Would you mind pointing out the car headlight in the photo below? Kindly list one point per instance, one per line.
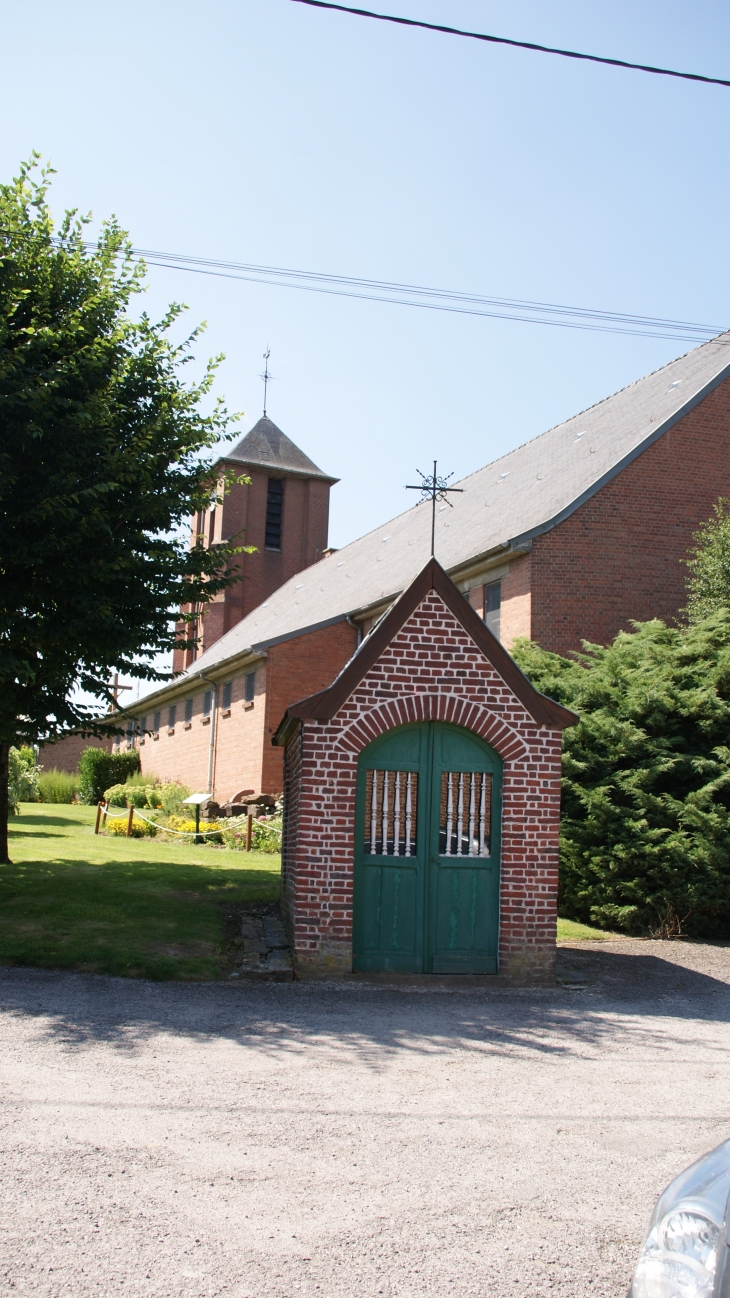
(679, 1256)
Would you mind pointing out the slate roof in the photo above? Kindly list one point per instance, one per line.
(267, 447)
(504, 505)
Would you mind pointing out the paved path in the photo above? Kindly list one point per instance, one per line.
(345, 1141)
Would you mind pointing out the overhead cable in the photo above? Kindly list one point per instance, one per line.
(520, 45)
(434, 299)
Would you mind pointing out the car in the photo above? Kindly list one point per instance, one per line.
(686, 1251)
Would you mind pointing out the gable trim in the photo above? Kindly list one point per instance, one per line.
(324, 705)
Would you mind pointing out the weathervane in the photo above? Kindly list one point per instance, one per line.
(434, 488)
(268, 378)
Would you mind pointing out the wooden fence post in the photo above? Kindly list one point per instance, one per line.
(130, 818)
(99, 806)
(249, 830)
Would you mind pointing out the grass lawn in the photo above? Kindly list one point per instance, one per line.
(570, 931)
(125, 906)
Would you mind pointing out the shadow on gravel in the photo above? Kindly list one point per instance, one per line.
(625, 998)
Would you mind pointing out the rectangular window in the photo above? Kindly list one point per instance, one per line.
(130, 735)
(274, 501)
(492, 604)
(227, 695)
(171, 716)
(250, 686)
(156, 723)
(207, 703)
(142, 729)
(188, 710)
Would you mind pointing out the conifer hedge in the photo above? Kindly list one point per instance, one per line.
(645, 835)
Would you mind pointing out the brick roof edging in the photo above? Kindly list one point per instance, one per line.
(434, 707)
(325, 705)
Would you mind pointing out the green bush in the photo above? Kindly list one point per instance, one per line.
(172, 797)
(645, 833)
(57, 786)
(264, 836)
(98, 770)
(116, 795)
(22, 778)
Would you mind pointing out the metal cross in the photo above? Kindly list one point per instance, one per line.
(434, 488)
(268, 378)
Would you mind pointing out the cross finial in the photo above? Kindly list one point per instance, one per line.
(434, 488)
(268, 378)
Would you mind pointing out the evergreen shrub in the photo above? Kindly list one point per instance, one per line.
(645, 833)
(98, 770)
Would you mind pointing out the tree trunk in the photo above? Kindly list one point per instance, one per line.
(4, 776)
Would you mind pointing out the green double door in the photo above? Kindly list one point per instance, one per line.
(426, 895)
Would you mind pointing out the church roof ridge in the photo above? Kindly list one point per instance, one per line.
(268, 447)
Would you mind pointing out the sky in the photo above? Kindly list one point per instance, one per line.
(269, 132)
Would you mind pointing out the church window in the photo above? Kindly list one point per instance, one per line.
(142, 729)
(492, 605)
(207, 703)
(250, 686)
(171, 716)
(188, 711)
(156, 723)
(227, 696)
(274, 501)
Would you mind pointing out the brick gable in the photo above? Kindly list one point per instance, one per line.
(432, 669)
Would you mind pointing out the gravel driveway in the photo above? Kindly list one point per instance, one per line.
(340, 1139)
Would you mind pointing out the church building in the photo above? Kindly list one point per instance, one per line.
(569, 537)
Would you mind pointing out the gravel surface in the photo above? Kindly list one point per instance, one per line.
(342, 1139)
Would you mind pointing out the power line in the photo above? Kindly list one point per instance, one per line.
(558, 315)
(504, 40)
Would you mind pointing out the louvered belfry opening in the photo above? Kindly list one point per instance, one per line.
(274, 505)
(465, 813)
(391, 813)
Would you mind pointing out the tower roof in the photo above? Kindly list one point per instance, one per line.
(267, 447)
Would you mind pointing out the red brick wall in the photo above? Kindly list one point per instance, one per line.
(65, 753)
(296, 669)
(182, 754)
(619, 556)
(305, 523)
(431, 670)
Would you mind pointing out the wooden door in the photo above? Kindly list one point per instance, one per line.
(463, 884)
(426, 889)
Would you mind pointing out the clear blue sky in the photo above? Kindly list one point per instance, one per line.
(265, 131)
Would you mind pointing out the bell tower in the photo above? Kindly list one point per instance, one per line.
(284, 512)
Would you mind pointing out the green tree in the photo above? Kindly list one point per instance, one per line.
(709, 565)
(105, 450)
(645, 831)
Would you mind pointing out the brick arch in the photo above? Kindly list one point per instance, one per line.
(434, 707)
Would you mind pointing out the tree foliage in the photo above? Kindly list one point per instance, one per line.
(709, 565)
(105, 450)
(645, 835)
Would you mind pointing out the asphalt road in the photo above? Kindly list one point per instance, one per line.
(342, 1140)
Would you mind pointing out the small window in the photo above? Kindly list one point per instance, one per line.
(250, 686)
(207, 703)
(274, 501)
(492, 605)
(188, 710)
(130, 735)
(227, 695)
(171, 716)
(142, 729)
(156, 723)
